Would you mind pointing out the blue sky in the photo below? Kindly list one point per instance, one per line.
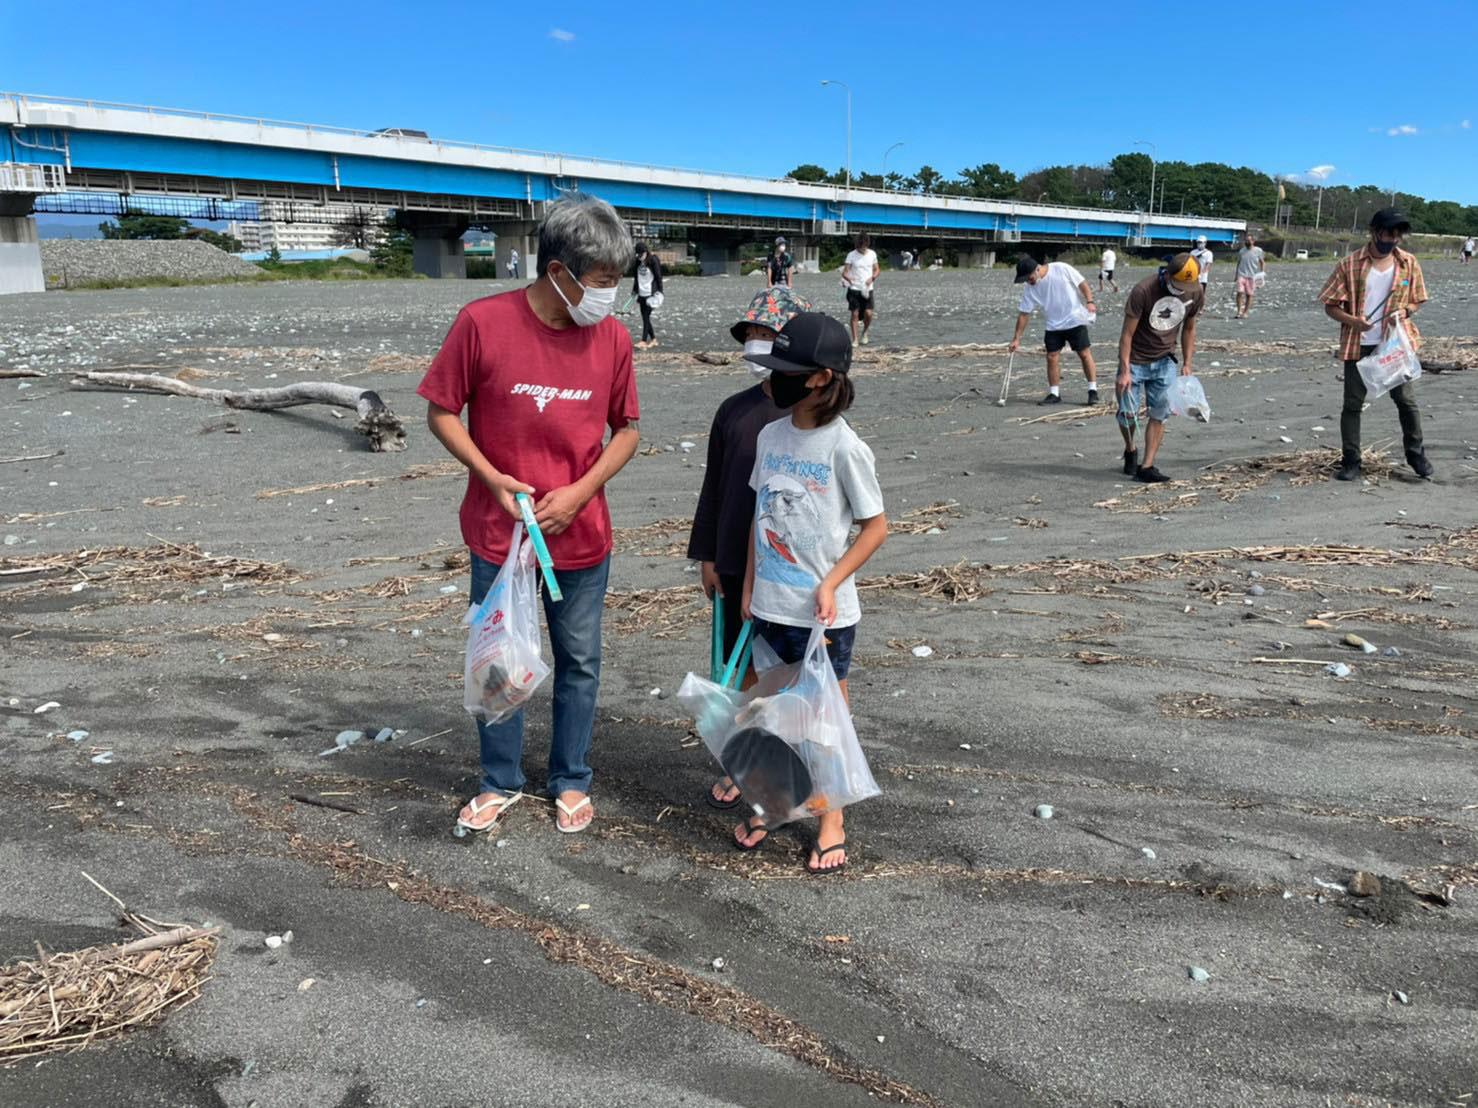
(1281, 87)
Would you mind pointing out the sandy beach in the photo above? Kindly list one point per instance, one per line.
(213, 595)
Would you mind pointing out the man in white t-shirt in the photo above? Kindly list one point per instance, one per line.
(1067, 308)
(1106, 268)
(859, 271)
(1468, 250)
(1203, 258)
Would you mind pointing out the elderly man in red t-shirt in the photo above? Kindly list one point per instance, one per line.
(542, 372)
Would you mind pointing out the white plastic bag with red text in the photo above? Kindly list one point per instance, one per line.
(1391, 364)
(504, 665)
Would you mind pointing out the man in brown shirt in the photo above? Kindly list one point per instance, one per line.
(1385, 283)
(1159, 309)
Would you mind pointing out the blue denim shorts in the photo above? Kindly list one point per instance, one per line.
(790, 643)
(1154, 380)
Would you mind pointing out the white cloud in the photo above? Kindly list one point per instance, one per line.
(1317, 175)
(1466, 125)
(561, 35)
(1404, 129)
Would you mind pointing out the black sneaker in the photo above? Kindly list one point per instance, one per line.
(1419, 463)
(1348, 471)
(1092, 398)
(1131, 462)
(1149, 475)
(1050, 398)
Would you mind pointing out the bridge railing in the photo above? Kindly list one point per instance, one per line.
(827, 191)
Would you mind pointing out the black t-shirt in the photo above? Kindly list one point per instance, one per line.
(780, 265)
(725, 510)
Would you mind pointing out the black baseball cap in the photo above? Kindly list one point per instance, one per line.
(1390, 219)
(809, 341)
(1025, 268)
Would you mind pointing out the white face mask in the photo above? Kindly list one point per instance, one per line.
(756, 347)
(594, 305)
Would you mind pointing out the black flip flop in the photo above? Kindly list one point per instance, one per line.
(723, 805)
(754, 824)
(822, 853)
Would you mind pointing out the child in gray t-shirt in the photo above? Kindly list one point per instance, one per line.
(814, 479)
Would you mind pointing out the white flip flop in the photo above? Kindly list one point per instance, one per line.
(570, 810)
(502, 803)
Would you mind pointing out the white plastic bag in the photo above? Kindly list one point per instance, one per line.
(504, 665)
(1188, 398)
(1391, 364)
(655, 301)
(788, 742)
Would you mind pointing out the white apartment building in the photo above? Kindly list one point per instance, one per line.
(287, 226)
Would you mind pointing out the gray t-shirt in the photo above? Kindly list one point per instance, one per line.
(1249, 261)
(810, 487)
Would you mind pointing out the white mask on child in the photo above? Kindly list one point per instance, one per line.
(758, 347)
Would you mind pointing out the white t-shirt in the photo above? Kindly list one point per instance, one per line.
(1468, 246)
(1057, 295)
(857, 270)
(1203, 259)
(810, 486)
(1109, 258)
(1377, 289)
(643, 280)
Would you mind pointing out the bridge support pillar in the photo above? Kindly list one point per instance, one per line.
(438, 247)
(523, 237)
(807, 253)
(976, 257)
(20, 248)
(718, 258)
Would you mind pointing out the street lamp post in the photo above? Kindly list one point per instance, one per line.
(886, 152)
(849, 128)
(1154, 160)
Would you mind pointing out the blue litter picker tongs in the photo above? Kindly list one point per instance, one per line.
(729, 676)
(541, 551)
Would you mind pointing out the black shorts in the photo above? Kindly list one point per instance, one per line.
(1467, 253)
(859, 302)
(1106, 275)
(790, 643)
(1076, 337)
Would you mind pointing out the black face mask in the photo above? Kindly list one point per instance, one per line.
(1383, 248)
(789, 389)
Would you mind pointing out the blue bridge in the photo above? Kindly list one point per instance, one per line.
(90, 157)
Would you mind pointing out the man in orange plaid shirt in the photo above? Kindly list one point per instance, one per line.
(1368, 293)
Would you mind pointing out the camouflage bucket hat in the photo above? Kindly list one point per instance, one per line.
(771, 307)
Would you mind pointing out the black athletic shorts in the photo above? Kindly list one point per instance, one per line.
(858, 301)
(1076, 337)
(1106, 275)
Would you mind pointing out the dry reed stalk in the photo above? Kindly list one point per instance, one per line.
(921, 521)
(66, 1000)
(167, 563)
(666, 612)
(414, 473)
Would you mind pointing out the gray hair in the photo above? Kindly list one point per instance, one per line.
(583, 232)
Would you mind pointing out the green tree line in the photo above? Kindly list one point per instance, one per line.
(1205, 189)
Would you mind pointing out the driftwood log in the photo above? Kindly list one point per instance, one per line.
(377, 422)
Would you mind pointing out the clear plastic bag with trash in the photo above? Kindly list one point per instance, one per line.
(1188, 398)
(504, 665)
(788, 741)
(1391, 364)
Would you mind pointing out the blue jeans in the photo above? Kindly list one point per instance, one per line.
(1154, 381)
(574, 634)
